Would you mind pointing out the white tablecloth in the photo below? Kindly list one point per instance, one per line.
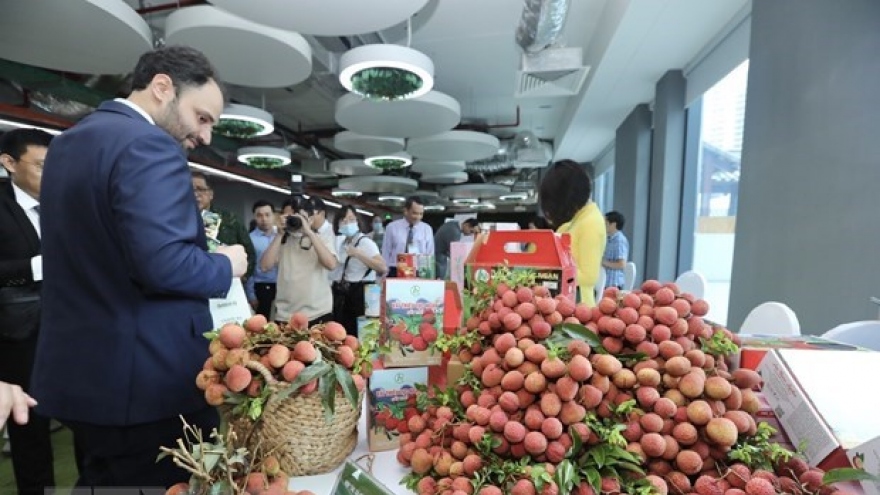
(385, 468)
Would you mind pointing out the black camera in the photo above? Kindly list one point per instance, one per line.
(299, 204)
(294, 223)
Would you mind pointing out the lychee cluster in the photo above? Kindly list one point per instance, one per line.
(283, 352)
(537, 394)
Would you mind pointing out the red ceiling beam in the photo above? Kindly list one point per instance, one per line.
(33, 117)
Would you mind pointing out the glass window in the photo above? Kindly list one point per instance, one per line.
(721, 136)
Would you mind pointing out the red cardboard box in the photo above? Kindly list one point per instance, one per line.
(406, 305)
(753, 348)
(823, 400)
(551, 258)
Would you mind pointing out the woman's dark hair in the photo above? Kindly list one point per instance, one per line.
(565, 189)
(187, 67)
(342, 213)
(616, 218)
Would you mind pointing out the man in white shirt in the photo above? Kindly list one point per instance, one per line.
(22, 152)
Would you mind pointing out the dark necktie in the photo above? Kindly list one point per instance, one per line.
(409, 238)
(37, 209)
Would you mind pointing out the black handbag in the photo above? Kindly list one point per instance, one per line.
(19, 312)
(344, 291)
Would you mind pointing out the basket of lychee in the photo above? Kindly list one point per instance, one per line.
(291, 390)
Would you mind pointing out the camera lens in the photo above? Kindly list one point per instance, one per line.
(294, 223)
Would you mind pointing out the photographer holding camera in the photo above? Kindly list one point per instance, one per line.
(304, 254)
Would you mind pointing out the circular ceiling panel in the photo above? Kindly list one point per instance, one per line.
(450, 178)
(361, 144)
(379, 184)
(74, 36)
(474, 191)
(454, 145)
(325, 17)
(433, 167)
(416, 117)
(354, 166)
(245, 53)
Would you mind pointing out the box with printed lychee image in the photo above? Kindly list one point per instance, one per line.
(412, 319)
(392, 402)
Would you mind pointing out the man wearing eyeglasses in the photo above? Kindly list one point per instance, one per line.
(231, 231)
(304, 254)
(22, 152)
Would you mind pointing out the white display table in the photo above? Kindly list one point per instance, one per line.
(385, 468)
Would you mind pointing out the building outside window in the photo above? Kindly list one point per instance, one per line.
(718, 186)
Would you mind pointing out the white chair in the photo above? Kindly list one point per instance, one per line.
(771, 318)
(629, 276)
(599, 288)
(861, 333)
(693, 283)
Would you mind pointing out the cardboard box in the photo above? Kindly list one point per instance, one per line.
(416, 266)
(407, 303)
(458, 253)
(373, 300)
(753, 348)
(453, 310)
(551, 258)
(824, 400)
(392, 401)
(867, 457)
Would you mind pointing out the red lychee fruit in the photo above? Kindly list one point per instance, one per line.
(298, 321)
(237, 378)
(231, 335)
(304, 351)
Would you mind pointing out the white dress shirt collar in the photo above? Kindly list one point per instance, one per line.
(25, 200)
(136, 108)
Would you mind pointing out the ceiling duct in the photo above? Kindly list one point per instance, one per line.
(527, 151)
(540, 24)
(61, 107)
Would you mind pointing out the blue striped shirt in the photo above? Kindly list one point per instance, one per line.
(261, 241)
(616, 249)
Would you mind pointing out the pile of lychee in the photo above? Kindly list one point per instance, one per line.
(268, 480)
(533, 397)
(283, 351)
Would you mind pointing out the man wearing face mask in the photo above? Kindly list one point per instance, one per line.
(305, 254)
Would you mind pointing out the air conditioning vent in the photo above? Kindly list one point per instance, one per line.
(552, 72)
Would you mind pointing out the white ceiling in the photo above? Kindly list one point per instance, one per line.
(628, 45)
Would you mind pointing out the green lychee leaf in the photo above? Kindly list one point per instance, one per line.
(580, 332)
(848, 474)
(327, 389)
(312, 371)
(343, 377)
(213, 334)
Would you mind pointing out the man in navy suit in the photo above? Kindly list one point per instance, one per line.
(127, 276)
(22, 152)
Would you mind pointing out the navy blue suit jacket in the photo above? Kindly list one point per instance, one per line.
(126, 276)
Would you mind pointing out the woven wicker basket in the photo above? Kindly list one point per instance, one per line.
(295, 431)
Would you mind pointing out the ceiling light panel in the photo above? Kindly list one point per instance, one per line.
(416, 117)
(454, 145)
(324, 17)
(244, 52)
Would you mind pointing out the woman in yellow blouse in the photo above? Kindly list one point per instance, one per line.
(565, 199)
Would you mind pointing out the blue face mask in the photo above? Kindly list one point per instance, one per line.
(349, 229)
